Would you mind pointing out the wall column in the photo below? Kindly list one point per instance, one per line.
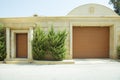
(71, 46)
(8, 43)
(30, 38)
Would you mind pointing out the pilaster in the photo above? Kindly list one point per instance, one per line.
(8, 43)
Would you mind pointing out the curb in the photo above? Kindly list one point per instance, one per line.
(53, 62)
(42, 62)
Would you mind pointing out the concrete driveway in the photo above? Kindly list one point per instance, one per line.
(83, 69)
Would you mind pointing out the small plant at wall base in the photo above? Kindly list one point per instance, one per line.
(118, 52)
(39, 44)
(2, 43)
(56, 44)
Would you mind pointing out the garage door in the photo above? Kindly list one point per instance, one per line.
(90, 42)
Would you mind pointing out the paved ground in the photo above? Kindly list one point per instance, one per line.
(84, 69)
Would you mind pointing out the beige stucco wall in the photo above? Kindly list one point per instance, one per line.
(61, 23)
(74, 18)
(92, 10)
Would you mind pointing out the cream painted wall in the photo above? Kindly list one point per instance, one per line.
(67, 23)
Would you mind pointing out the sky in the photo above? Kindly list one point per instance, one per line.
(27, 8)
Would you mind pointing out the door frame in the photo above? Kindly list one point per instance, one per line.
(112, 35)
(13, 42)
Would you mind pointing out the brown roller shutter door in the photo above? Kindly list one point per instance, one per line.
(90, 42)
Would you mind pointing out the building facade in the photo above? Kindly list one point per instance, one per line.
(93, 32)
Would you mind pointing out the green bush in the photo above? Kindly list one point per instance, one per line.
(51, 44)
(118, 52)
(39, 44)
(56, 44)
(2, 43)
